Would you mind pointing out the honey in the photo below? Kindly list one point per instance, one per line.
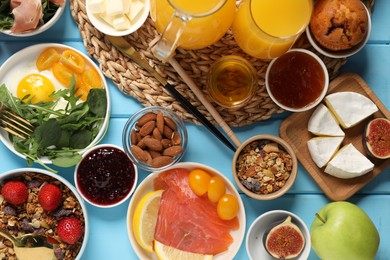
(232, 81)
(296, 79)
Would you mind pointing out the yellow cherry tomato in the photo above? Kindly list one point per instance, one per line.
(216, 189)
(73, 60)
(227, 207)
(199, 181)
(47, 58)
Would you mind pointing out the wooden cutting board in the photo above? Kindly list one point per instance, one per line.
(294, 130)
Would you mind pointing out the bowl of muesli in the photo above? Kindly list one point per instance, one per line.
(264, 167)
(39, 202)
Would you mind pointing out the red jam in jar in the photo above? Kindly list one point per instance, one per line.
(105, 175)
(296, 79)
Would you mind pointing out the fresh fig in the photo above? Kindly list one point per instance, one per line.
(377, 138)
(285, 241)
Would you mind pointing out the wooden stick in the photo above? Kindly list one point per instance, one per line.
(198, 93)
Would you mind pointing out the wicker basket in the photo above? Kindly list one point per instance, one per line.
(135, 82)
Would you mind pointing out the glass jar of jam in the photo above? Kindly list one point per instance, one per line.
(232, 82)
(297, 81)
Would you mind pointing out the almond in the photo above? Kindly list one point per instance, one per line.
(133, 137)
(153, 144)
(141, 142)
(147, 128)
(161, 161)
(139, 153)
(157, 134)
(166, 143)
(173, 150)
(146, 118)
(176, 138)
(154, 154)
(149, 156)
(167, 132)
(160, 121)
(169, 122)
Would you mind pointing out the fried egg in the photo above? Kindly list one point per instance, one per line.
(25, 79)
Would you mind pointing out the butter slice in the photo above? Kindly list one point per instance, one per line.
(135, 9)
(350, 108)
(121, 22)
(114, 7)
(349, 163)
(323, 123)
(96, 6)
(322, 149)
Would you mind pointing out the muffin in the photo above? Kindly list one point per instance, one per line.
(339, 24)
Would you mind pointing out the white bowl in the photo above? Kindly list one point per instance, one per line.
(343, 53)
(317, 100)
(25, 58)
(147, 186)
(42, 28)
(108, 168)
(262, 224)
(106, 28)
(17, 172)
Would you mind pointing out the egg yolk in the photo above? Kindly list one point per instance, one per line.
(37, 86)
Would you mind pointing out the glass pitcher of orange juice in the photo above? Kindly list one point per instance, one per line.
(266, 29)
(190, 24)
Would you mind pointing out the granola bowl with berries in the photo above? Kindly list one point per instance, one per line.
(41, 203)
(264, 167)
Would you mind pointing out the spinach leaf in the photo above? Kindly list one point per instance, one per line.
(48, 133)
(97, 101)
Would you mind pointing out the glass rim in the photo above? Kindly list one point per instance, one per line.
(196, 14)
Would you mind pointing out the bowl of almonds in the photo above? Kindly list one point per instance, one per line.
(264, 167)
(154, 138)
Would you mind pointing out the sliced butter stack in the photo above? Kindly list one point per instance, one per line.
(350, 108)
(323, 123)
(322, 149)
(349, 163)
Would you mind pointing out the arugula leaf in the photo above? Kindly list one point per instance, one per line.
(59, 134)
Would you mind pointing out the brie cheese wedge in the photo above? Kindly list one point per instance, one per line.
(349, 163)
(323, 123)
(322, 149)
(350, 108)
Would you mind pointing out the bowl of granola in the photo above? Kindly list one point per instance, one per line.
(264, 167)
(39, 202)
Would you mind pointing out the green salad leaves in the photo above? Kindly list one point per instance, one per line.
(60, 132)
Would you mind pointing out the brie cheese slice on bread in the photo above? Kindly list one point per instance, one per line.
(322, 149)
(348, 163)
(323, 123)
(350, 108)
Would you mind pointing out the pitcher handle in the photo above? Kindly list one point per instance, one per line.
(166, 45)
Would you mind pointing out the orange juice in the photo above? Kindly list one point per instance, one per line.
(268, 28)
(204, 28)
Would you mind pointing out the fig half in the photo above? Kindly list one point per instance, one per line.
(377, 138)
(285, 241)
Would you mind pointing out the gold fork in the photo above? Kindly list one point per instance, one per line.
(14, 123)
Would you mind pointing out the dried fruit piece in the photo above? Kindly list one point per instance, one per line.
(377, 138)
(285, 241)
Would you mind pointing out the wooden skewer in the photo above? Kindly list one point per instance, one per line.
(214, 113)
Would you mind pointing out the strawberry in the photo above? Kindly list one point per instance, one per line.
(50, 197)
(70, 230)
(15, 192)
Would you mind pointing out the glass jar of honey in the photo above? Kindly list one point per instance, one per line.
(232, 82)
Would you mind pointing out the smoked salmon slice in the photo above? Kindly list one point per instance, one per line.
(189, 222)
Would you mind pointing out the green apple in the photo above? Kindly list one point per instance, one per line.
(343, 231)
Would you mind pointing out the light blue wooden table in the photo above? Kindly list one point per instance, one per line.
(108, 235)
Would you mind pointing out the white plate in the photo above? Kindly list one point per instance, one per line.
(26, 58)
(147, 185)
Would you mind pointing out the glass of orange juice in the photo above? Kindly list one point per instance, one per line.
(266, 29)
(190, 24)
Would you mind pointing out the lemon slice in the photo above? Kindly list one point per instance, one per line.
(169, 253)
(145, 218)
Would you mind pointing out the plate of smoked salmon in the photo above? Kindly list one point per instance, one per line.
(170, 217)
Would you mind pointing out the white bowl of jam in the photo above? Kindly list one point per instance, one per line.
(297, 81)
(105, 177)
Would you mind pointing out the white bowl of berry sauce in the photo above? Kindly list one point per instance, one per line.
(105, 177)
